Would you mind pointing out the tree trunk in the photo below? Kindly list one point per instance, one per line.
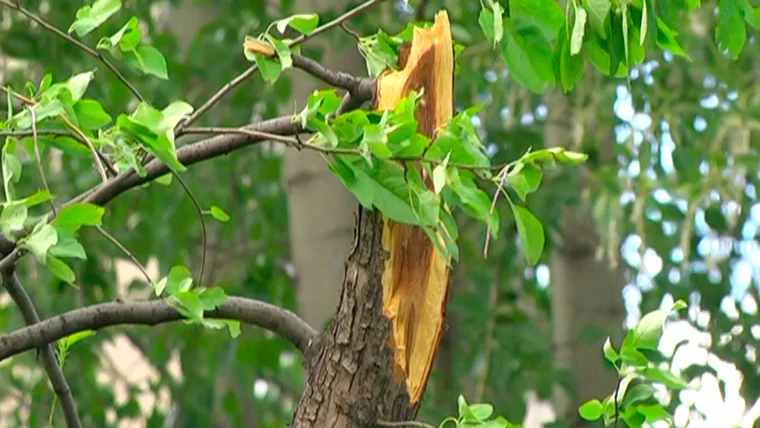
(586, 291)
(374, 360)
(350, 377)
(320, 210)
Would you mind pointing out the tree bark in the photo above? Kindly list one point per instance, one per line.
(350, 381)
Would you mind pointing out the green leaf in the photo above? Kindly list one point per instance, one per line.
(579, 28)
(188, 304)
(528, 56)
(73, 217)
(42, 111)
(91, 114)
(490, 20)
(179, 280)
(151, 61)
(610, 354)
(270, 69)
(60, 270)
(40, 240)
(638, 393)
(653, 412)
(644, 23)
(74, 338)
(665, 377)
(172, 114)
(78, 84)
(211, 297)
(385, 185)
(439, 178)
(91, 17)
(646, 334)
(666, 40)
(36, 198)
(545, 15)
(374, 139)
(127, 38)
(525, 180)
(68, 248)
(730, 33)
(11, 168)
(283, 53)
(219, 214)
(303, 23)
(569, 68)
(597, 14)
(632, 356)
(751, 14)
(531, 233)
(591, 410)
(481, 411)
(473, 201)
(464, 409)
(12, 218)
(234, 327)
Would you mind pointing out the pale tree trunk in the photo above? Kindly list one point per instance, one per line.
(586, 290)
(321, 211)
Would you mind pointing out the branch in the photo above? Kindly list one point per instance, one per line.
(252, 69)
(337, 79)
(151, 313)
(90, 51)
(47, 355)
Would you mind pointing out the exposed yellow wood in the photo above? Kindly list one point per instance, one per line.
(416, 276)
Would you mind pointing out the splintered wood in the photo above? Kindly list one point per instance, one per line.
(416, 276)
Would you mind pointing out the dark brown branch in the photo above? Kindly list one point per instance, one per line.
(90, 51)
(251, 70)
(274, 318)
(47, 355)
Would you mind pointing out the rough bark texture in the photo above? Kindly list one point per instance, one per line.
(349, 382)
(586, 291)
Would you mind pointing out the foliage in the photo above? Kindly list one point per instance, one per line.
(541, 46)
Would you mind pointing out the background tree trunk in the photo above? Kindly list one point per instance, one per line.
(321, 211)
(586, 291)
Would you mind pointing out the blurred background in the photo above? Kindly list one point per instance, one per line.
(665, 209)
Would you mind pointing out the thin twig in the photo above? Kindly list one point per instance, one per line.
(356, 36)
(22, 133)
(38, 157)
(295, 142)
(617, 414)
(21, 298)
(198, 208)
(77, 131)
(92, 52)
(290, 141)
(493, 209)
(126, 252)
(154, 312)
(252, 69)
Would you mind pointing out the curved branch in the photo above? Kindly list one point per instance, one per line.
(266, 315)
(49, 361)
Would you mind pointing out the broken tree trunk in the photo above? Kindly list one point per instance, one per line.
(374, 360)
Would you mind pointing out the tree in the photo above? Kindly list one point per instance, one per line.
(407, 164)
